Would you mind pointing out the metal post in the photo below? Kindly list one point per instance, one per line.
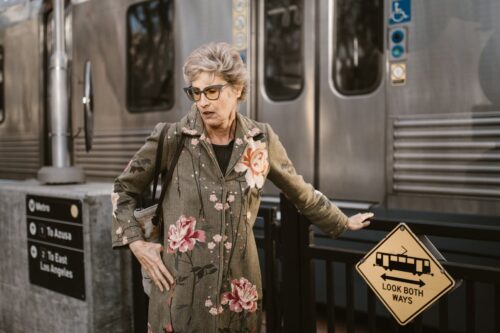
(61, 171)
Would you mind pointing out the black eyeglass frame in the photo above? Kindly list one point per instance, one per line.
(219, 87)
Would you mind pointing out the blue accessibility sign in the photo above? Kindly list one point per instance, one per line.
(400, 12)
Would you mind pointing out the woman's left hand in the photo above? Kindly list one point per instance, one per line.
(359, 221)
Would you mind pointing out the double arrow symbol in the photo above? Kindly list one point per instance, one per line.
(388, 277)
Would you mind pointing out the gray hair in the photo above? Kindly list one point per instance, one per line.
(217, 59)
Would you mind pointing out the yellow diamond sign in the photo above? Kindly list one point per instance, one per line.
(404, 274)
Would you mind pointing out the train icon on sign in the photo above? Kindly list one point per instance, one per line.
(403, 263)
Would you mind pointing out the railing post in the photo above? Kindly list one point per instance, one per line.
(307, 281)
(273, 320)
(291, 266)
(298, 271)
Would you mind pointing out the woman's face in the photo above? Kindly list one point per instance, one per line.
(217, 113)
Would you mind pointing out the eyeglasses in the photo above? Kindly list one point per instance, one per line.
(211, 92)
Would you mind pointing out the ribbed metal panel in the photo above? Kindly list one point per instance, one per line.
(459, 156)
(110, 154)
(19, 157)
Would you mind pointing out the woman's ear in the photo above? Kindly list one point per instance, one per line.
(238, 89)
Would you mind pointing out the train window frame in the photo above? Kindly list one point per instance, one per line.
(381, 57)
(2, 85)
(128, 72)
(272, 95)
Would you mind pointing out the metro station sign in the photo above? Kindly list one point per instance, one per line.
(404, 274)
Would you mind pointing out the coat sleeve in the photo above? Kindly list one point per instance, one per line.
(310, 202)
(128, 188)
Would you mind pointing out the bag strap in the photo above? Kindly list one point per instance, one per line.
(166, 182)
(159, 154)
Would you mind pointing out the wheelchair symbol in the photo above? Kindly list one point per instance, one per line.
(398, 15)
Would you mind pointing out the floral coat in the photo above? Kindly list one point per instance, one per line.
(208, 218)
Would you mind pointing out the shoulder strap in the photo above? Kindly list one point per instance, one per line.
(168, 178)
(159, 153)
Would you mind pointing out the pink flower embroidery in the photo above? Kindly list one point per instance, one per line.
(228, 245)
(189, 131)
(124, 240)
(194, 141)
(230, 198)
(127, 168)
(253, 132)
(119, 231)
(211, 245)
(238, 142)
(213, 197)
(169, 328)
(243, 296)
(203, 137)
(217, 238)
(219, 206)
(182, 236)
(114, 202)
(208, 303)
(213, 311)
(255, 162)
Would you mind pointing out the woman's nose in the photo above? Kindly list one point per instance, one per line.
(203, 100)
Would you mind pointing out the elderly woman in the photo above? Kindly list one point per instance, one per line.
(208, 277)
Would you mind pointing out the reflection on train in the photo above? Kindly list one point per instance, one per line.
(403, 263)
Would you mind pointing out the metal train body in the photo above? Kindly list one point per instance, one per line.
(423, 136)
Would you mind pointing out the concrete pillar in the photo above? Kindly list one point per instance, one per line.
(105, 305)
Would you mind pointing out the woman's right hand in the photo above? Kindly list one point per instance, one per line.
(149, 255)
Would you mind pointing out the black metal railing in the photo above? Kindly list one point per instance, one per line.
(291, 270)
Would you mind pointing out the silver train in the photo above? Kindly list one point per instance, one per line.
(388, 102)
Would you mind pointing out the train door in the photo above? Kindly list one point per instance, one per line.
(21, 67)
(320, 86)
(285, 77)
(127, 68)
(351, 126)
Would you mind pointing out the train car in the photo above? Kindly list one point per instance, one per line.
(403, 263)
(393, 103)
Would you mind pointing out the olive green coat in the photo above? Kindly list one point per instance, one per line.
(209, 243)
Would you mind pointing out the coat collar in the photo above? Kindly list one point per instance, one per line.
(192, 125)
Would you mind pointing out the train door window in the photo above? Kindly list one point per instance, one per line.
(2, 98)
(358, 46)
(283, 58)
(150, 56)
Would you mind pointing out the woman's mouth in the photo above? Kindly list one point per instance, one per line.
(208, 113)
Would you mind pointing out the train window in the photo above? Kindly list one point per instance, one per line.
(283, 64)
(358, 46)
(411, 260)
(2, 99)
(150, 56)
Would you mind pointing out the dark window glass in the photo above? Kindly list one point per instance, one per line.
(284, 65)
(2, 99)
(358, 45)
(150, 56)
